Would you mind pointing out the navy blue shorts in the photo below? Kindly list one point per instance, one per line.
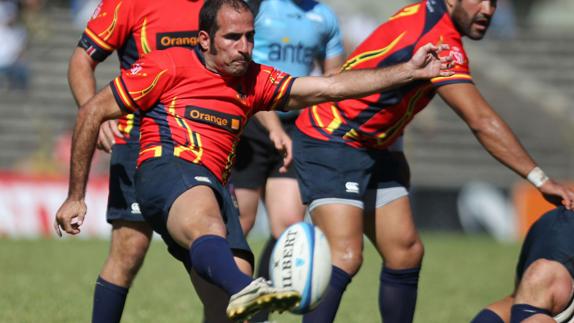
(257, 159)
(160, 181)
(552, 238)
(331, 170)
(122, 204)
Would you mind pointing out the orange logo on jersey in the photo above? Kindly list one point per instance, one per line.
(176, 39)
(221, 120)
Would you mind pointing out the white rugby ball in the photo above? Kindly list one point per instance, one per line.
(301, 260)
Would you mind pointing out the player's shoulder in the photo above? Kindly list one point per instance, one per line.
(170, 57)
(319, 8)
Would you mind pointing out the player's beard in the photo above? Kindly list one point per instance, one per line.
(464, 23)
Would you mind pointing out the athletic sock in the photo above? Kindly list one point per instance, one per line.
(327, 309)
(211, 258)
(487, 316)
(520, 312)
(398, 294)
(263, 271)
(109, 301)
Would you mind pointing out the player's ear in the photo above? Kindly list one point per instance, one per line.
(204, 40)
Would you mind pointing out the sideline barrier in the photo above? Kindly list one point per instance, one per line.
(529, 205)
(29, 203)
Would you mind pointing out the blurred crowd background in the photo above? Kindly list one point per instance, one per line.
(524, 67)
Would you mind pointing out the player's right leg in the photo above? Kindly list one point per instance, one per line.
(130, 238)
(545, 290)
(333, 179)
(192, 211)
(398, 242)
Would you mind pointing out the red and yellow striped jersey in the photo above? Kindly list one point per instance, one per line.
(192, 113)
(135, 28)
(376, 121)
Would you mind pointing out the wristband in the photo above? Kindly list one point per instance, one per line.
(537, 177)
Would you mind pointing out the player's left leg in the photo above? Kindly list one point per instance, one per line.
(546, 289)
(393, 232)
(129, 244)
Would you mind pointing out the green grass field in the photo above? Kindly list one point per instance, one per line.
(52, 281)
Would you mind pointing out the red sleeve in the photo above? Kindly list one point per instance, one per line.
(108, 28)
(142, 85)
(272, 89)
(461, 65)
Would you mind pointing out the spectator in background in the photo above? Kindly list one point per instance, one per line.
(13, 38)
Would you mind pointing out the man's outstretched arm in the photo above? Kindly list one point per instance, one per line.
(497, 138)
(90, 116)
(425, 64)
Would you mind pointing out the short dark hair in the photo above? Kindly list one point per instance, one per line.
(209, 10)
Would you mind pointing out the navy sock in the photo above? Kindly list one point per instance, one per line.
(109, 300)
(520, 312)
(398, 294)
(263, 271)
(487, 316)
(327, 309)
(212, 259)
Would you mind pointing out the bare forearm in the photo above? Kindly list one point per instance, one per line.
(359, 83)
(81, 77)
(269, 120)
(307, 91)
(499, 140)
(83, 145)
(90, 116)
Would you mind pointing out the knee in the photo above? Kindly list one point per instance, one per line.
(545, 284)
(541, 273)
(408, 254)
(347, 257)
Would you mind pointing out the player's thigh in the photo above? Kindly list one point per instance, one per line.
(342, 224)
(195, 213)
(388, 217)
(283, 203)
(247, 202)
(393, 231)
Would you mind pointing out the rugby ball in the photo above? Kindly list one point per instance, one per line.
(301, 260)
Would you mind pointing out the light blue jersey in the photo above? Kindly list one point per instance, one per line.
(292, 36)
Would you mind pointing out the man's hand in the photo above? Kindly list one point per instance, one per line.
(558, 194)
(106, 136)
(70, 217)
(426, 62)
(283, 144)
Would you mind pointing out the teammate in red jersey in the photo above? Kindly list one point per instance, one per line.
(193, 105)
(352, 171)
(133, 29)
